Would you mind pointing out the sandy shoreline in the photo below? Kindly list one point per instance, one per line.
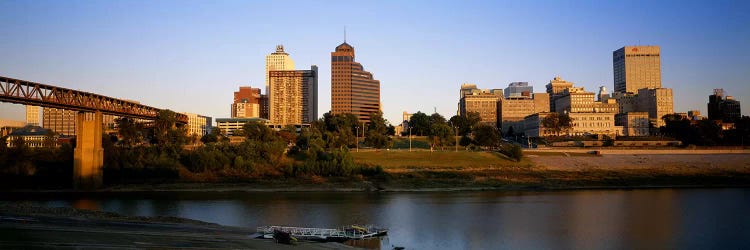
(24, 226)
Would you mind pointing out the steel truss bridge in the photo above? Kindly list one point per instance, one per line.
(37, 94)
(88, 156)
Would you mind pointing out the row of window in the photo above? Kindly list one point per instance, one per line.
(341, 58)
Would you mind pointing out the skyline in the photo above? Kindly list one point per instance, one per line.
(420, 55)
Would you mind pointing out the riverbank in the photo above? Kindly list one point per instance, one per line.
(424, 171)
(23, 226)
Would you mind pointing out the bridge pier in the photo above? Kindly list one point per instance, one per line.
(88, 156)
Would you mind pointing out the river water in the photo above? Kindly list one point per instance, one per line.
(598, 219)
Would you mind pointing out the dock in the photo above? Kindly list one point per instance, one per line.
(353, 232)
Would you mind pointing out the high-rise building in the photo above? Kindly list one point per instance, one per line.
(636, 67)
(32, 115)
(657, 102)
(246, 103)
(481, 101)
(353, 90)
(60, 121)
(264, 107)
(519, 90)
(555, 88)
(292, 96)
(278, 60)
(637, 76)
(723, 108)
(714, 104)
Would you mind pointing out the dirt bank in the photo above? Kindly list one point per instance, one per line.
(28, 227)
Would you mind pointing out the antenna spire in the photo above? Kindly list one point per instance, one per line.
(344, 33)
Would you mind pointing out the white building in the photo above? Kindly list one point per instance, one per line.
(278, 60)
(228, 126)
(198, 125)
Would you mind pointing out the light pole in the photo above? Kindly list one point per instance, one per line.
(409, 139)
(456, 129)
(356, 137)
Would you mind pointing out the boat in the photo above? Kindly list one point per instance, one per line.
(352, 232)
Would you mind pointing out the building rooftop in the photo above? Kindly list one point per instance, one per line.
(30, 130)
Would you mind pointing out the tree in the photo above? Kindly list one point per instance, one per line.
(440, 134)
(310, 139)
(436, 118)
(419, 124)
(289, 134)
(472, 120)
(556, 123)
(213, 136)
(465, 123)
(165, 121)
(486, 136)
(391, 130)
(130, 131)
(513, 151)
(377, 132)
(256, 131)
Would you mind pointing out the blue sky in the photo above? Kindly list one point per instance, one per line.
(191, 55)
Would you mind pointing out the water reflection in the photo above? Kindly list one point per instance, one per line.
(619, 219)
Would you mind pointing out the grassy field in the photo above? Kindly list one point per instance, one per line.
(487, 170)
(425, 160)
(416, 142)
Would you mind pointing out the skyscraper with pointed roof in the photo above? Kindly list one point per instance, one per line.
(353, 90)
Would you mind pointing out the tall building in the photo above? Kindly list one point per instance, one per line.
(246, 103)
(637, 76)
(714, 104)
(519, 89)
(723, 108)
(278, 60)
(59, 120)
(353, 90)
(636, 67)
(555, 89)
(264, 107)
(481, 101)
(32, 115)
(293, 96)
(657, 102)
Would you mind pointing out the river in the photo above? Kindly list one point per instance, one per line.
(588, 219)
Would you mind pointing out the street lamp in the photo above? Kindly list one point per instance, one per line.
(409, 139)
(456, 129)
(356, 137)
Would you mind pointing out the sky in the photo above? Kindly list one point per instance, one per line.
(190, 56)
